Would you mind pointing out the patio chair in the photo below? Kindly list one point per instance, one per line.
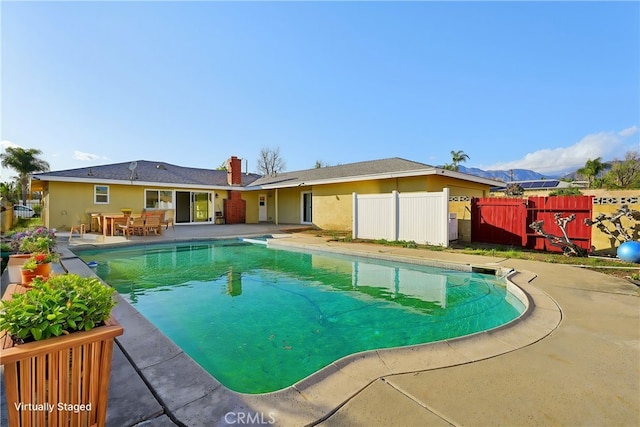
(152, 223)
(80, 229)
(168, 219)
(120, 224)
(135, 226)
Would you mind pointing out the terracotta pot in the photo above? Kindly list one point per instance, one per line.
(43, 270)
(27, 256)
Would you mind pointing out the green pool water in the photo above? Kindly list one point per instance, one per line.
(261, 319)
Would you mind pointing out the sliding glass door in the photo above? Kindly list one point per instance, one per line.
(194, 206)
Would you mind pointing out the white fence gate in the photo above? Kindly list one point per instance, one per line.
(422, 217)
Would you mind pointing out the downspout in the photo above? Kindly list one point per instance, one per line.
(276, 214)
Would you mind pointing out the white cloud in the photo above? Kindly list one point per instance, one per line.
(628, 131)
(86, 157)
(6, 144)
(553, 160)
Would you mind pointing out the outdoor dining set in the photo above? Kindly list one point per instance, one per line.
(149, 222)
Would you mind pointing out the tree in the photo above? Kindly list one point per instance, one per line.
(25, 161)
(270, 163)
(514, 190)
(625, 174)
(320, 164)
(592, 169)
(8, 192)
(457, 157)
(222, 167)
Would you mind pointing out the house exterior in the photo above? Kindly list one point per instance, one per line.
(321, 197)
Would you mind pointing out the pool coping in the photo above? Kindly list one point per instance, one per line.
(191, 396)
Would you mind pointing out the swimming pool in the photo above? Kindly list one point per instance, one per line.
(260, 319)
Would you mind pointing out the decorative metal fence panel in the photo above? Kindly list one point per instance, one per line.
(420, 217)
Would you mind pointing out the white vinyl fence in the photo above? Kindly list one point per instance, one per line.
(422, 217)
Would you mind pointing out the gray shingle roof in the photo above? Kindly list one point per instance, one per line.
(166, 174)
(149, 172)
(351, 170)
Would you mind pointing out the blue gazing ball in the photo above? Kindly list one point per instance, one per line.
(629, 251)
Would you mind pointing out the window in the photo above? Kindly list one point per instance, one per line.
(101, 194)
(158, 199)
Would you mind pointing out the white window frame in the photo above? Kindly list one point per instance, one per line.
(96, 195)
(158, 191)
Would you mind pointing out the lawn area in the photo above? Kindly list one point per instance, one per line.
(610, 266)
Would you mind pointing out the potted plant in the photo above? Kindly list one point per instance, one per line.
(38, 265)
(57, 349)
(25, 243)
(40, 239)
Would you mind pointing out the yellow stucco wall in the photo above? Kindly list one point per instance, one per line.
(68, 204)
(332, 207)
(72, 203)
(333, 204)
(218, 202)
(251, 214)
(289, 202)
(608, 202)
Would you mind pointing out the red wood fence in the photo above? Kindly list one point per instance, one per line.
(506, 221)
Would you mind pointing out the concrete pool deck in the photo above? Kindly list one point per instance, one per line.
(574, 360)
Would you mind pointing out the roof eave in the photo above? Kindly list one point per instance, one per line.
(388, 175)
(99, 181)
(468, 177)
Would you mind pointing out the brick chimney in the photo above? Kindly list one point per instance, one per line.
(234, 171)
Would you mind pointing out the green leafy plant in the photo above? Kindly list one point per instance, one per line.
(410, 244)
(38, 258)
(39, 239)
(570, 191)
(63, 304)
(37, 209)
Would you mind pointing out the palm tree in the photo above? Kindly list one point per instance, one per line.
(458, 157)
(592, 169)
(8, 192)
(25, 161)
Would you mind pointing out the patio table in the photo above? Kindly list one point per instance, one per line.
(107, 223)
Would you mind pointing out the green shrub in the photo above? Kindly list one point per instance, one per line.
(63, 304)
(570, 191)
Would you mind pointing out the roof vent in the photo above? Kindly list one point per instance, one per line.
(162, 167)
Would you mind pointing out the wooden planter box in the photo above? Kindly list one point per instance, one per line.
(59, 381)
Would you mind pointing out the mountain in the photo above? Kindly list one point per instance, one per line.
(505, 175)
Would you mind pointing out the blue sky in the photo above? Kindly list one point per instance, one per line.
(539, 85)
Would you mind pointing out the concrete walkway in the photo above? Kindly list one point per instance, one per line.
(575, 360)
